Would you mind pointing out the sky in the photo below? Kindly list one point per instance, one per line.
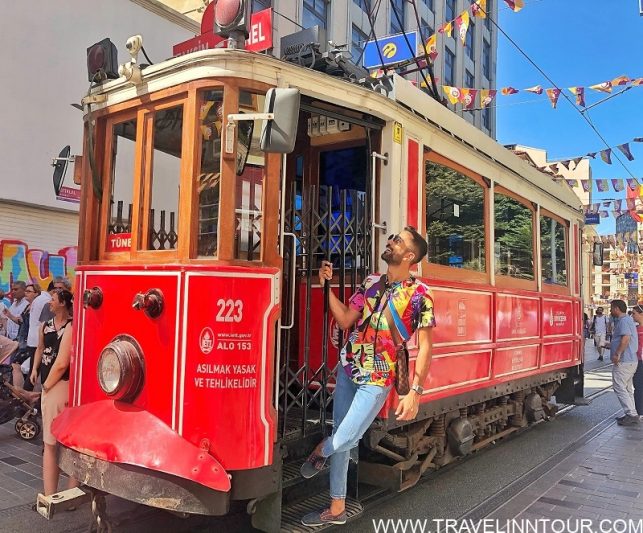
(575, 43)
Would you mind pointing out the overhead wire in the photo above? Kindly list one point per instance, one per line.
(427, 59)
(371, 35)
(565, 96)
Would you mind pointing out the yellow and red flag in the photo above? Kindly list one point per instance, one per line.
(553, 95)
(431, 47)
(637, 81)
(621, 80)
(479, 9)
(579, 93)
(515, 5)
(605, 87)
(506, 91)
(486, 96)
(453, 93)
(462, 24)
(468, 97)
(446, 28)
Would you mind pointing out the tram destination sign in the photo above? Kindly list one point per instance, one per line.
(390, 50)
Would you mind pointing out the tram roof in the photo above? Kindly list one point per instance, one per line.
(404, 103)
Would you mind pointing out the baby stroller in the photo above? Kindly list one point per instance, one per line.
(14, 405)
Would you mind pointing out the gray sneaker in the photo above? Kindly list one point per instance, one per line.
(629, 420)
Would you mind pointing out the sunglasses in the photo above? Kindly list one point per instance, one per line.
(396, 238)
(637, 309)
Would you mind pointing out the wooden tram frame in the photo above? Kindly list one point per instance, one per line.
(396, 454)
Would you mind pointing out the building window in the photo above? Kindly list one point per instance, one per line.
(449, 12)
(486, 118)
(260, 5)
(363, 4)
(552, 251)
(513, 238)
(469, 80)
(455, 218)
(486, 59)
(449, 67)
(487, 22)
(425, 30)
(470, 41)
(358, 42)
(397, 6)
(428, 3)
(315, 13)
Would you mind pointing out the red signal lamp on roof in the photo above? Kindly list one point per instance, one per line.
(102, 61)
(231, 17)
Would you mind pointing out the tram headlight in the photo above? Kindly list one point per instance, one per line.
(121, 368)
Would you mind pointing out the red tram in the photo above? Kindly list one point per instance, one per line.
(204, 355)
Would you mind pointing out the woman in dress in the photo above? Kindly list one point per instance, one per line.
(52, 360)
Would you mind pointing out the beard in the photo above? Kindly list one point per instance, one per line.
(389, 257)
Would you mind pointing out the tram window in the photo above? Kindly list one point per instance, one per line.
(166, 174)
(552, 251)
(454, 218)
(251, 162)
(513, 238)
(122, 178)
(210, 120)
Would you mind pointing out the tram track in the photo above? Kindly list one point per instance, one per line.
(378, 497)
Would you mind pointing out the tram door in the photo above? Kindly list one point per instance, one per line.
(326, 216)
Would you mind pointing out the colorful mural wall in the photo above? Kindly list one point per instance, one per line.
(19, 263)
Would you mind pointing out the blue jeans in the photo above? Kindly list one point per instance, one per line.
(354, 408)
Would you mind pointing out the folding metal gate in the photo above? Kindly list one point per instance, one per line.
(335, 225)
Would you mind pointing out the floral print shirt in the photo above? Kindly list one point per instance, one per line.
(370, 354)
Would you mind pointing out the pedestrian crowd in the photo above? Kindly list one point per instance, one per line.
(35, 342)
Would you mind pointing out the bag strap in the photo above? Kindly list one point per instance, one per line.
(381, 290)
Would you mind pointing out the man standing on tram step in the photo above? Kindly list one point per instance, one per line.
(623, 350)
(600, 328)
(387, 309)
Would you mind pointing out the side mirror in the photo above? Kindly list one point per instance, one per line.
(279, 134)
(597, 254)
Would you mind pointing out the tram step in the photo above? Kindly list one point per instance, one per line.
(292, 514)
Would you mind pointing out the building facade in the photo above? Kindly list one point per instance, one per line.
(349, 22)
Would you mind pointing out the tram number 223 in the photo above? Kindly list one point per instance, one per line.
(229, 310)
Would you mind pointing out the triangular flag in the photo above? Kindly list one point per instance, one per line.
(431, 47)
(596, 207)
(592, 155)
(637, 81)
(553, 95)
(604, 214)
(605, 87)
(462, 23)
(602, 185)
(468, 97)
(446, 28)
(625, 148)
(632, 183)
(616, 213)
(565, 164)
(486, 96)
(479, 9)
(618, 204)
(536, 89)
(515, 5)
(617, 183)
(579, 92)
(453, 93)
(506, 91)
(572, 183)
(585, 184)
(621, 80)
(607, 203)
(637, 140)
(606, 155)
(577, 160)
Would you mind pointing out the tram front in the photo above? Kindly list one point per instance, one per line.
(178, 283)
